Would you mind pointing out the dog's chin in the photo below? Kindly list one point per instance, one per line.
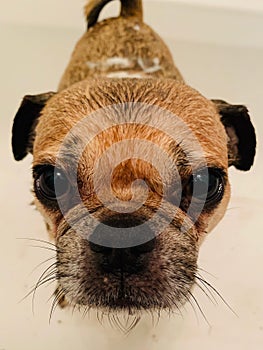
(127, 297)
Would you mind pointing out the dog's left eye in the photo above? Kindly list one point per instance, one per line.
(52, 183)
(207, 185)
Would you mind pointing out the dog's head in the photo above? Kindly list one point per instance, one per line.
(130, 176)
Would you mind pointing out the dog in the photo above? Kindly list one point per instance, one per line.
(130, 167)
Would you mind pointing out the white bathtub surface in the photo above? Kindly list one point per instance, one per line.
(32, 60)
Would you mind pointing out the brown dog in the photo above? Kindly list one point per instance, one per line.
(130, 167)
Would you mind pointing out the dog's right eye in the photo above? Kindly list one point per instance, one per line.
(52, 183)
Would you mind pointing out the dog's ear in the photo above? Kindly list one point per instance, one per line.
(25, 122)
(241, 134)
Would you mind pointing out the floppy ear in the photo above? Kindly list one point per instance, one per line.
(241, 134)
(25, 122)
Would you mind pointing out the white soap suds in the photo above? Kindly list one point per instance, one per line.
(121, 62)
(92, 65)
(152, 69)
(125, 74)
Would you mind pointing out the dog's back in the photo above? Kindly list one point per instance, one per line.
(119, 48)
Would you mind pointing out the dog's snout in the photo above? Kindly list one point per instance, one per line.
(122, 241)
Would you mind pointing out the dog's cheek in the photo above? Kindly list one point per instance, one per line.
(174, 268)
(178, 251)
(212, 219)
(76, 269)
(51, 218)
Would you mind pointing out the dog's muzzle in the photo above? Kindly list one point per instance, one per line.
(126, 261)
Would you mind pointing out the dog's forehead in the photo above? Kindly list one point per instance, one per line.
(174, 111)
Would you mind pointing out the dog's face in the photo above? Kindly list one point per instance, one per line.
(130, 176)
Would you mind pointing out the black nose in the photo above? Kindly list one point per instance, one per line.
(122, 240)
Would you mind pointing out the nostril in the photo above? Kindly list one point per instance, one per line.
(122, 232)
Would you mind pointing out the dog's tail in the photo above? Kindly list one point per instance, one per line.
(128, 8)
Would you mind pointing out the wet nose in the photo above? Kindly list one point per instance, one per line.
(122, 241)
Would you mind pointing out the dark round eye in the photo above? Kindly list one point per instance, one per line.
(208, 185)
(52, 183)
